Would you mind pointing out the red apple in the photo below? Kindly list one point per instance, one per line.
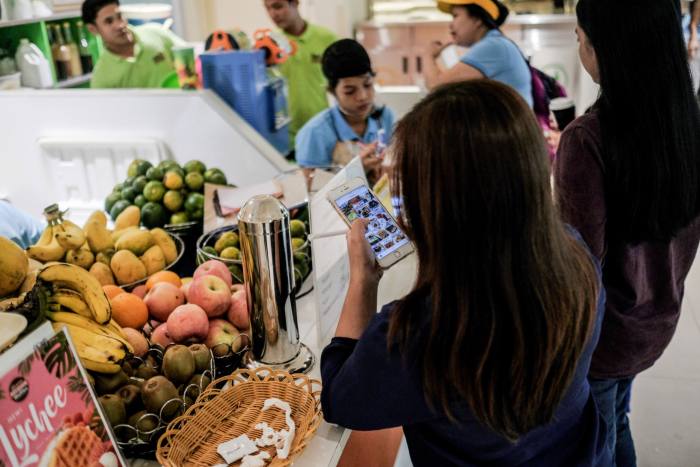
(162, 299)
(211, 293)
(236, 287)
(223, 332)
(139, 291)
(161, 336)
(214, 268)
(188, 323)
(238, 312)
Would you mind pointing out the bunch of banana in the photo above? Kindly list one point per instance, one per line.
(69, 235)
(47, 248)
(98, 352)
(84, 294)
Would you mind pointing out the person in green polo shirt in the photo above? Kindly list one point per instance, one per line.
(138, 57)
(307, 85)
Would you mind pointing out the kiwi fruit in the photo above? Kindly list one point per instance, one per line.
(156, 392)
(145, 371)
(128, 369)
(195, 387)
(178, 364)
(145, 423)
(114, 409)
(131, 395)
(109, 384)
(202, 357)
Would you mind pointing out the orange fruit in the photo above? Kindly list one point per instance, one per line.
(112, 290)
(129, 311)
(163, 276)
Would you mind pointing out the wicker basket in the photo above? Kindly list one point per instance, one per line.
(220, 415)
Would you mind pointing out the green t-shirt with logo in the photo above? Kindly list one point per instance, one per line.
(307, 85)
(150, 66)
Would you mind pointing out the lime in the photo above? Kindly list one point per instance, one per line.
(230, 253)
(155, 173)
(140, 200)
(215, 176)
(297, 243)
(194, 202)
(166, 164)
(128, 182)
(225, 240)
(236, 272)
(140, 183)
(154, 191)
(197, 215)
(173, 201)
(194, 181)
(303, 268)
(138, 167)
(118, 207)
(179, 217)
(297, 228)
(153, 215)
(173, 180)
(111, 199)
(129, 193)
(210, 250)
(118, 188)
(195, 166)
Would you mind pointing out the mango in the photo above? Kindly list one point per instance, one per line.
(117, 234)
(129, 217)
(153, 259)
(103, 273)
(166, 243)
(13, 266)
(98, 237)
(127, 268)
(98, 216)
(136, 241)
(105, 256)
(81, 257)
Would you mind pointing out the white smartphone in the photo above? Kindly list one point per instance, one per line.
(354, 200)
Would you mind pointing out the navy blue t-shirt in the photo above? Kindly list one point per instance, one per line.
(366, 387)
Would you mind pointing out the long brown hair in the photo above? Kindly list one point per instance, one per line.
(512, 294)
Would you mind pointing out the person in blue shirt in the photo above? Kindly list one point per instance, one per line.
(491, 55)
(19, 226)
(354, 126)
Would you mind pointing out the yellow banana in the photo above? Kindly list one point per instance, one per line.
(78, 279)
(46, 251)
(95, 346)
(88, 324)
(95, 351)
(100, 367)
(69, 235)
(71, 300)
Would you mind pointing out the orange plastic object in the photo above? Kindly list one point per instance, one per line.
(221, 40)
(277, 54)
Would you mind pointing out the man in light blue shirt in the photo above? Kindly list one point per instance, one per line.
(19, 226)
(352, 127)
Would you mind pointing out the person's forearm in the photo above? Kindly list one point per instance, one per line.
(695, 16)
(359, 308)
(431, 72)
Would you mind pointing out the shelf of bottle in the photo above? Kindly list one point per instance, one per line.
(73, 82)
(56, 17)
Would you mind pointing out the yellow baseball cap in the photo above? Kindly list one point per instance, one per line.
(489, 6)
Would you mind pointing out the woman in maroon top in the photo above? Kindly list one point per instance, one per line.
(628, 178)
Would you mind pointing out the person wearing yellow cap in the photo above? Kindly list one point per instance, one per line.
(475, 24)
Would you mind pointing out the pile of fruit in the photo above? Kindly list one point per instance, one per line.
(224, 245)
(165, 194)
(124, 255)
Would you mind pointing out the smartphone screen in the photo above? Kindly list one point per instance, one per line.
(383, 235)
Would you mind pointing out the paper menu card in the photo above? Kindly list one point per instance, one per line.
(49, 414)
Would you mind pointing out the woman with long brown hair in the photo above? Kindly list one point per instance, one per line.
(485, 360)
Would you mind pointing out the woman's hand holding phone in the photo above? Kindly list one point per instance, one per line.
(364, 269)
